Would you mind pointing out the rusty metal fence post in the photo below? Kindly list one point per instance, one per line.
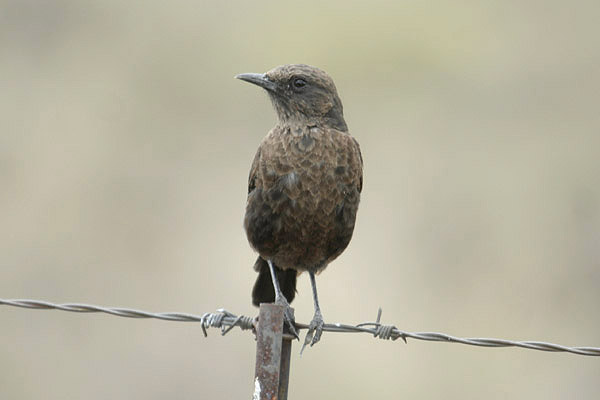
(273, 352)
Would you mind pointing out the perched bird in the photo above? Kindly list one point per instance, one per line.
(304, 187)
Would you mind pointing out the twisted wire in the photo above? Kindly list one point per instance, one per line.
(222, 318)
(226, 321)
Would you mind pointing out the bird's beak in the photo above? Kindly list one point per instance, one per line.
(258, 79)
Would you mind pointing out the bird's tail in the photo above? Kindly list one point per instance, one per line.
(263, 291)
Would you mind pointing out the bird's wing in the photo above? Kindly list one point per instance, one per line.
(360, 178)
(253, 172)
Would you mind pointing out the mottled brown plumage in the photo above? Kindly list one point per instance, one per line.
(304, 185)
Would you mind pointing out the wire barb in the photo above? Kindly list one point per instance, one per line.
(385, 332)
(226, 321)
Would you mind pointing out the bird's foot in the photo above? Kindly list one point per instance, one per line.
(288, 315)
(315, 329)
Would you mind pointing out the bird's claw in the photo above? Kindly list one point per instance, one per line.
(288, 315)
(315, 329)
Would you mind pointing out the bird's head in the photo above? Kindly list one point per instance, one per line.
(301, 93)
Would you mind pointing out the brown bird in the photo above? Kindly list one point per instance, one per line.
(304, 187)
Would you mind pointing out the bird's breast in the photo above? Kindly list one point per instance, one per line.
(302, 209)
(306, 168)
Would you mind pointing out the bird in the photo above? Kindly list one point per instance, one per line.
(304, 187)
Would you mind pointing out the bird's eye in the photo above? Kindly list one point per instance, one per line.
(299, 83)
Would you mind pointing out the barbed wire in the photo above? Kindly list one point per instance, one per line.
(221, 319)
(226, 321)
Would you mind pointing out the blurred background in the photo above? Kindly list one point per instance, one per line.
(125, 145)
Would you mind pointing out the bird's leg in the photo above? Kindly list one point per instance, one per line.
(316, 325)
(280, 299)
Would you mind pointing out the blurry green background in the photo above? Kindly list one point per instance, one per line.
(125, 145)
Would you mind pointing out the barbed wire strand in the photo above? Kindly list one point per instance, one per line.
(226, 321)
